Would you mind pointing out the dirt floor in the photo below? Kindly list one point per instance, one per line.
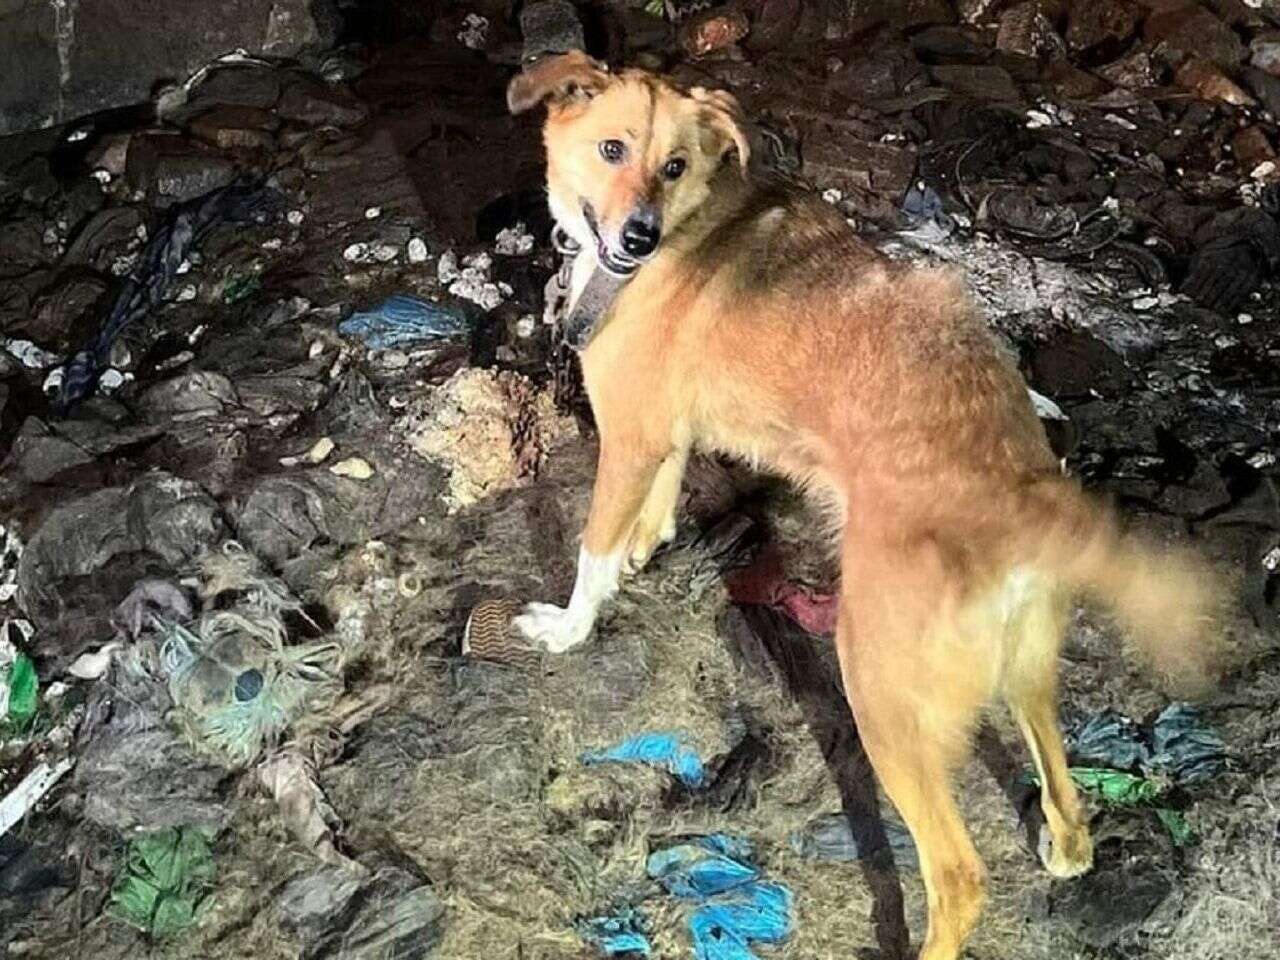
(422, 803)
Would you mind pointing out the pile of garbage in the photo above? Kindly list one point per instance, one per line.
(279, 407)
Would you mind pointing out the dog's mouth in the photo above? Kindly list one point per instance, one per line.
(614, 262)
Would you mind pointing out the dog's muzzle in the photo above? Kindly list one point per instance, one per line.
(618, 264)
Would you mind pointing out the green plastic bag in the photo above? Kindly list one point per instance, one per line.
(1115, 787)
(164, 881)
(24, 690)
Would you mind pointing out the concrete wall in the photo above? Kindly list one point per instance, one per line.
(60, 59)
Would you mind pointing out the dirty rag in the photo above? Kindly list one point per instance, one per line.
(147, 285)
(765, 584)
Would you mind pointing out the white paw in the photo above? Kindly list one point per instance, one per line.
(551, 627)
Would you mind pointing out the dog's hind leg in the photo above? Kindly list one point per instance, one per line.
(1030, 687)
(916, 697)
(656, 524)
(624, 477)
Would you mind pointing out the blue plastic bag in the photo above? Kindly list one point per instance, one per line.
(401, 321)
(703, 868)
(735, 907)
(620, 935)
(758, 913)
(667, 750)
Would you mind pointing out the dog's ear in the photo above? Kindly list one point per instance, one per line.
(557, 78)
(721, 114)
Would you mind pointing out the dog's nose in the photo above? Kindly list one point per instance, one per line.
(640, 234)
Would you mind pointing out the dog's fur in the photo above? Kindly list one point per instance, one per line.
(764, 328)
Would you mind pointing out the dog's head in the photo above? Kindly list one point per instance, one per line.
(629, 157)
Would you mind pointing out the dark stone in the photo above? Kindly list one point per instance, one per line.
(171, 169)
(982, 82)
(854, 166)
(309, 101)
(29, 93)
(66, 312)
(236, 128)
(21, 246)
(1194, 31)
(1102, 27)
(240, 86)
(947, 44)
(1263, 86)
(118, 51)
(104, 237)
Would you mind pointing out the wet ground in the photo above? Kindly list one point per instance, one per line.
(429, 804)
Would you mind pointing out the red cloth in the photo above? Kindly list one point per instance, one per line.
(765, 583)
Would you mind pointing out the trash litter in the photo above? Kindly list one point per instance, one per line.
(1115, 787)
(831, 837)
(619, 935)
(401, 321)
(667, 750)
(1236, 251)
(23, 798)
(170, 245)
(354, 468)
(736, 908)
(302, 804)
(164, 881)
(927, 219)
(765, 584)
(19, 694)
(1178, 745)
(1184, 748)
(237, 686)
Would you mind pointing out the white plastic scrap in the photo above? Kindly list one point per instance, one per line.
(27, 794)
(372, 213)
(1271, 560)
(514, 241)
(417, 250)
(112, 380)
(295, 218)
(474, 30)
(31, 356)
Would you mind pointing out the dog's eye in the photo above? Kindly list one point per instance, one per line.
(613, 150)
(673, 169)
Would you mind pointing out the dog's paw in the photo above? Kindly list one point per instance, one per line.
(644, 543)
(553, 628)
(1068, 856)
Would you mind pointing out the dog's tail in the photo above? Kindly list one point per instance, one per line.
(1169, 600)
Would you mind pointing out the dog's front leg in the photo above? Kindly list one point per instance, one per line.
(624, 478)
(656, 524)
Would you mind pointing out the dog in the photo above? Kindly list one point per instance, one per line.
(757, 324)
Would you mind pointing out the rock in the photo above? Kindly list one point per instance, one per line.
(1251, 147)
(712, 31)
(1072, 82)
(904, 14)
(978, 81)
(550, 27)
(246, 86)
(236, 128)
(1263, 86)
(1076, 364)
(1206, 81)
(775, 21)
(70, 310)
(309, 101)
(1134, 72)
(1265, 53)
(950, 45)
(1026, 31)
(1101, 27)
(64, 61)
(39, 456)
(316, 900)
(1194, 31)
(878, 74)
(170, 169)
(21, 247)
(105, 236)
(853, 166)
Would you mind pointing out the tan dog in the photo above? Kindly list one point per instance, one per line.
(759, 325)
